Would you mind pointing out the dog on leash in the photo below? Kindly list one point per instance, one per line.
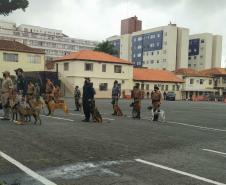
(96, 115)
(117, 110)
(160, 113)
(60, 104)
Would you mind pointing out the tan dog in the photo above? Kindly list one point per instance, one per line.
(60, 104)
(118, 110)
(97, 116)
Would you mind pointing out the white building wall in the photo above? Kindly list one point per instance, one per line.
(182, 47)
(217, 51)
(125, 47)
(210, 51)
(76, 74)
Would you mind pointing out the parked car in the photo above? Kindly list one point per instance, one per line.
(171, 96)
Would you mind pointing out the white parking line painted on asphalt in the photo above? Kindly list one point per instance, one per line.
(65, 119)
(214, 151)
(180, 172)
(110, 119)
(25, 169)
(189, 125)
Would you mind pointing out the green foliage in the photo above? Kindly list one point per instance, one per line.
(7, 6)
(106, 47)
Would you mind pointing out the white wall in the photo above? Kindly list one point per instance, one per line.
(217, 51)
(76, 74)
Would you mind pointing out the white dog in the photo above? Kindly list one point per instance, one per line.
(161, 114)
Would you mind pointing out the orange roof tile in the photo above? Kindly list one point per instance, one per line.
(18, 47)
(214, 71)
(89, 55)
(190, 72)
(155, 75)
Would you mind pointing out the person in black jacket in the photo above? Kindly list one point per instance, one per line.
(21, 86)
(87, 99)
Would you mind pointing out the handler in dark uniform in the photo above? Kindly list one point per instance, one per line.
(20, 82)
(87, 99)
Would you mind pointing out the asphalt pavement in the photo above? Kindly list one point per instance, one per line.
(189, 148)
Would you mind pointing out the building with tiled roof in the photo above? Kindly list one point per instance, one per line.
(219, 78)
(103, 69)
(196, 83)
(15, 55)
(166, 81)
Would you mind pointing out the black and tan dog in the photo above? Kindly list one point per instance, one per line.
(97, 116)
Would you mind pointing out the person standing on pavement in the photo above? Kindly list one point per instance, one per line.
(137, 96)
(77, 96)
(49, 90)
(20, 82)
(7, 88)
(116, 93)
(156, 98)
(87, 99)
(164, 95)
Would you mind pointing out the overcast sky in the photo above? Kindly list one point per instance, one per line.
(99, 19)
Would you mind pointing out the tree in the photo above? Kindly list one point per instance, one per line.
(106, 47)
(7, 6)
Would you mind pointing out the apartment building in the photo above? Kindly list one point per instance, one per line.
(164, 47)
(53, 41)
(205, 51)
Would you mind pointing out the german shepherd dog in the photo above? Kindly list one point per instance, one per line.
(95, 113)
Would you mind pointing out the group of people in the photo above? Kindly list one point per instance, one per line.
(26, 90)
(88, 101)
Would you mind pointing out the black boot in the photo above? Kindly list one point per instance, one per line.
(156, 116)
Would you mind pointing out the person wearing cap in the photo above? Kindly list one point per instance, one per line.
(116, 93)
(87, 99)
(156, 98)
(20, 82)
(7, 88)
(77, 96)
(137, 96)
(49, 90)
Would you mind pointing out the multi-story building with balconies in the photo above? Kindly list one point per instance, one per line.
(53, 41)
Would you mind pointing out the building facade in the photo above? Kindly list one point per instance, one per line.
(15, 55)
(130, 25)
(166, 81)
(158, 48)
(205, 51)
(101, 68)
(196, 83)
(53, 41)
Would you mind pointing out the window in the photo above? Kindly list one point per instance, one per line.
(202, 41)
(189, 65)
(117, 69)
(147, 87)
(152, 53)
(173, 87)
(157, 52)
(166, 87)
(201, 81)
(157, 61)
(210, 82)
(178, 87)
(189, 58)
(34, 59)
(164, 60)
(10, 57)
(103, 87)
(195, 57)
(142, 86)
(201, 56)
(88, 67)
(104, 67)
(162, 87)
(66, 66)
(139, 55)
(152, 61)
(191, 81)
(139, 47)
